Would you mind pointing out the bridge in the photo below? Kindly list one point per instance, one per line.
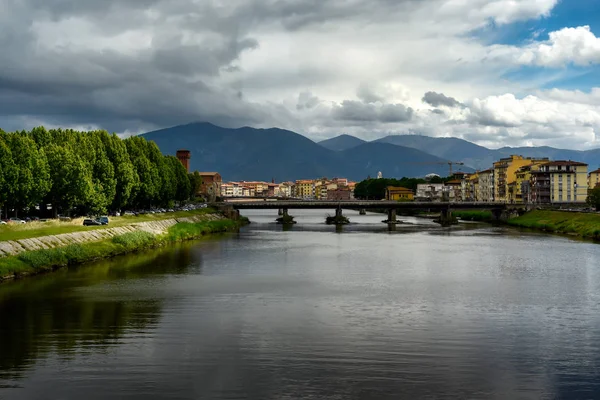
(392, 207)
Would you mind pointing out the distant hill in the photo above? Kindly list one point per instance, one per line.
(479, 157)
(265, 154)
(393, 161)
(451, 149)
(341, 143)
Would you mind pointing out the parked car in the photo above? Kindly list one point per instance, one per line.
(2, 223)
(103, 220)
(91, 222)
(129, 213)
(16, 221)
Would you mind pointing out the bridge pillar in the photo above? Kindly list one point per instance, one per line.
(285, 218)
(339, 218)
(446, 218)
(391, 219)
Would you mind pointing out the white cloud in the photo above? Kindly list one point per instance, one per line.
(578, 46)
(317, 67)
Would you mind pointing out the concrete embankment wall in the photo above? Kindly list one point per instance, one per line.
(14, 247)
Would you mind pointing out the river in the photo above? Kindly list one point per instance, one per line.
(473, 311)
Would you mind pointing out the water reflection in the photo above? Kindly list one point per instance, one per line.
(471, 311)
(46, 314)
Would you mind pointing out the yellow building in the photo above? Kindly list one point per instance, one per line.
(304, 189)
(594, 179)
(519, 191)
(505, 173)
(560, 182)
(396, 193)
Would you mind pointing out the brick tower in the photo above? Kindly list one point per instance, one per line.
(184, 157)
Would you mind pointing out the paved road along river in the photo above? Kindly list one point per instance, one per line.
(423, 312)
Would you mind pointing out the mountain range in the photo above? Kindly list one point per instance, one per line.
(265, 154)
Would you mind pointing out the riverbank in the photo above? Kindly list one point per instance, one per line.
(15, 232)
(585, 225)
(44, 260)
(479, 216)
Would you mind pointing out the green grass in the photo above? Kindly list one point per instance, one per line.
(586, 225)
(55, 227)
(188, 230)
(33, 262)
(483, 216)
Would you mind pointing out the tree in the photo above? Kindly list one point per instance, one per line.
(593, 198)
(32, 178)
(195, 183)
(147, 190)
(71, 179)
(183, 187)
(125, 174)
(7, 171)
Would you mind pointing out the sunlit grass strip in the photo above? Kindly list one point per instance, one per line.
(586, 225)
(33, 262)
(56, 227)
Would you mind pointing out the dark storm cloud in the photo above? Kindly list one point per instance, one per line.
(368, 95)
(173, 81)
(439, 99)
(356, 111)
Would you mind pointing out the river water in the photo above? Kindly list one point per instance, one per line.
(473, 311)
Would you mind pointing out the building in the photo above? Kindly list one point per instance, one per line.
(520, 191)
(284, 189)
(429, 191)
(304, 189)
(485, 188)
(559, 182)
(505, 173)
(594, 179)
(454, 190)
(351, 186)
(211, 185)
(340, 194)
(226, 190)
(397, 193)
(184, 158)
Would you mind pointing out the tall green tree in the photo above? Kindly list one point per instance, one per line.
(7, 171)
(147, 190)
(71, 179)
(183, 185)
(125, 173)
(32, 178)
(195, 183)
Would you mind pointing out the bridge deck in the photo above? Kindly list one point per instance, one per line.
(366, 204)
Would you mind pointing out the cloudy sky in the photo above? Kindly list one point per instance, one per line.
(496, 72)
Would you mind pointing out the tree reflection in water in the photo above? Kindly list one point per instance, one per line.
(45, 314)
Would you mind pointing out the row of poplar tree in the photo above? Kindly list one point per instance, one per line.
(87, 172)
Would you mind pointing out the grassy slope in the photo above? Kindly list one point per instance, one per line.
(45, 260)
(55, 227)
(582, 224)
